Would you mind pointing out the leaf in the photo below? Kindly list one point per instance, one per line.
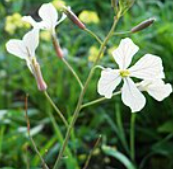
(167, 127)
(119, 156)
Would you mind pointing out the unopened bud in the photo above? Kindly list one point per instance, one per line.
(57, 47)
(143, 25)
(38, 77)
(72, 16)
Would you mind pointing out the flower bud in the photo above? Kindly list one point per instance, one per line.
(73, 17)
(143, 25)
(57, 47)
(38, 76)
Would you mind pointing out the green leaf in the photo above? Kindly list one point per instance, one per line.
(167, 127)
(119, 156)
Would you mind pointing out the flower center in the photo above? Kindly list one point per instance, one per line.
(124, 73)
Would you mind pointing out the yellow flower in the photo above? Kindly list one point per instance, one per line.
(13, 22)
(58, 4)
(89, 17)
(93, 53)
(45, 35)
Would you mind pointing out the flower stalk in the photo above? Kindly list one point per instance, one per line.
(78, 108)
(60, 55)
(132, 136)
(29, 134)
(56, 109)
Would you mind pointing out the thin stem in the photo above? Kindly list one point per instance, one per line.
(132, 136)
(56, 109)
(98, 100)
(122, 33)
(59, 53)
(29, 134)
(121, 128)
(91, 153)
(77, 110)
(73, 72)
(94, 35)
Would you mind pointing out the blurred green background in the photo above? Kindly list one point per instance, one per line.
(154, 125)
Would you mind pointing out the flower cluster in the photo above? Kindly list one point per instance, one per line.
(149, 68)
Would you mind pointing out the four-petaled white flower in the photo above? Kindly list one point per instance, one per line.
(149, 67)
(25, 49)
(49, 16)
(156, 88)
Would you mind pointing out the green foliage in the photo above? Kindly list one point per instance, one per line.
(154, 124)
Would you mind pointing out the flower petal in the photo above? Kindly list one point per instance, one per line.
(31, 41)
(49, 15)
(17, 48)
(108, 82)
(63, 17)
(30, 20)
(158, 89)
(131, 96)
(124, 53)
(148, 67)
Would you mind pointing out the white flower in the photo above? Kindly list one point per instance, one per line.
(49, 16)
(25, 49)
(148, 67)
(156, 88)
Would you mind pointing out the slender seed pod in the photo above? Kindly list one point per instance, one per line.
(72, 16)
(143, 25)
(42, 86)
(57, 47)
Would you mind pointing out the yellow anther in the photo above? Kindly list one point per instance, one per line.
(124, 73)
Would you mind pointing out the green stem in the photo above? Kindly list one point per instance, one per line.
(29, 134)
(78, 108)
(98, 100)
(56, 109)
(71, 162)
(56, 47)
(132, 136)
(120, 128)
(91, 153)
(122, 33)
(73, 72)
(94, 35)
